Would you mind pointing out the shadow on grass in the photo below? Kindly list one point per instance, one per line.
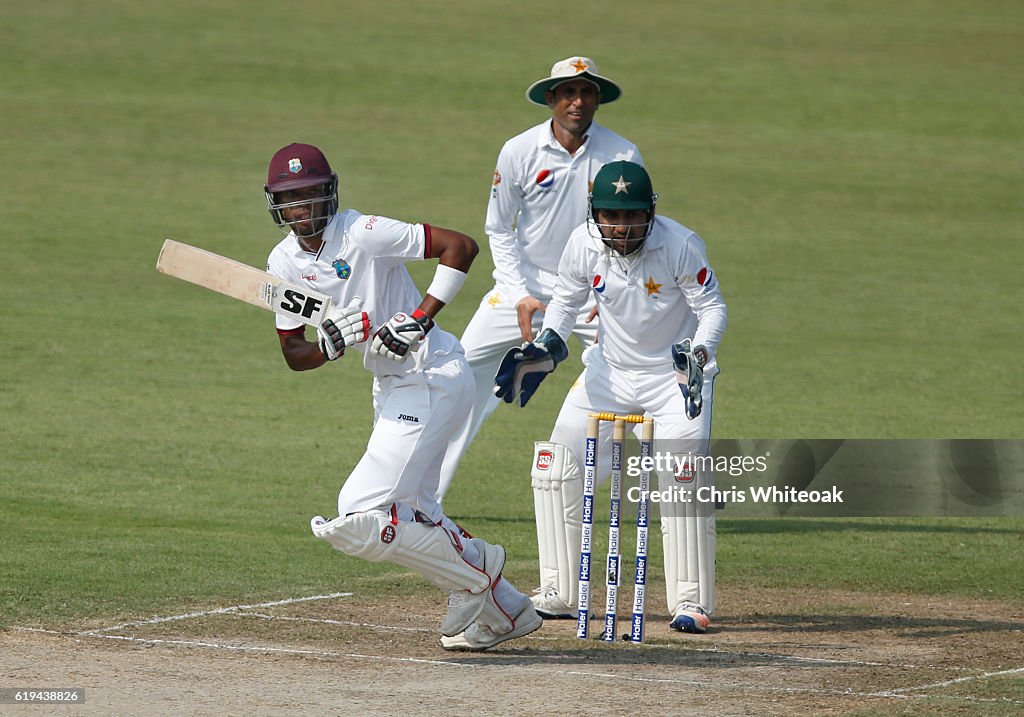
(469, 519)
(836, 525)
(728, 525)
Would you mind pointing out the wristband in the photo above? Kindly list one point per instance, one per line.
(446, 284)
(553, 344)
(423, 320)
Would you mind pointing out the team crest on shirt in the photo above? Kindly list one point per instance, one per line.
(341, 268)
(653, 287)
(295, 165)
(599, 283)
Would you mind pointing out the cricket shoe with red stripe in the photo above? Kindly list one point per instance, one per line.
(485, 633)
(463, 606)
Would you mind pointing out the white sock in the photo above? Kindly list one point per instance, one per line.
(470, 553)
(508, 598)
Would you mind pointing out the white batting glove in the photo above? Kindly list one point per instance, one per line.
(342, 328)
(401, 335)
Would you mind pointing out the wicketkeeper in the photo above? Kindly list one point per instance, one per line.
(662, 317)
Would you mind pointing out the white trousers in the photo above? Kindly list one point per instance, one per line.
(493, 330)
(415, 417)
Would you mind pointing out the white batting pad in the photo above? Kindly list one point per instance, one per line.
(688, 538)
(428, 549)
(558, 504)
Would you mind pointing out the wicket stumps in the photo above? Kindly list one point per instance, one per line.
(613, 564)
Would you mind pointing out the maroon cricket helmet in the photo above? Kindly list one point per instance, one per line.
(297, 166)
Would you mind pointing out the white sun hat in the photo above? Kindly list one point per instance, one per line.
(572, 68)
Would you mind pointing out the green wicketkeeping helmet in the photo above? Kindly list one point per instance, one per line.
(622, 185)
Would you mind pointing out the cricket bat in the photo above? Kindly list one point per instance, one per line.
(243, 282)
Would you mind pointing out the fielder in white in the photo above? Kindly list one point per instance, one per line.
(662, 317)
(538, 196)
(422, 389)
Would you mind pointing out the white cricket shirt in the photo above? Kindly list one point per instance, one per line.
(365, 255)
(538, 196)
(664, 293)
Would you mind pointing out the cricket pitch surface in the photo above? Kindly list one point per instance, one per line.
(778, 652)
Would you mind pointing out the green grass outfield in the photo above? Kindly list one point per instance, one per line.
(855, 168)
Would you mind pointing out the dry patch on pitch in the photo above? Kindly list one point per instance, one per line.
(777, 652)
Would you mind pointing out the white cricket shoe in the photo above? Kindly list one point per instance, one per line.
(480, 636)
(690, 617)
(550, 606)
(463, 606)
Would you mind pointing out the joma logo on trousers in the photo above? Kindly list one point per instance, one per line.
(403, 417)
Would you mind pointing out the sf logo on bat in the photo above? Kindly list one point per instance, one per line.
(309, 307)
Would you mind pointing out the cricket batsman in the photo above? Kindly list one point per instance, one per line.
(422, 390)
(662, 318)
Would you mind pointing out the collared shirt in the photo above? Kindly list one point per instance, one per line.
(538, 196)
(365, 255)
(663, 293)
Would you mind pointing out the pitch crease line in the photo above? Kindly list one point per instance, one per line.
(235, 609)
(216, 611)
(372, 626)
(642, 646)
(243, 648)
(327, 621)
(948, 683)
